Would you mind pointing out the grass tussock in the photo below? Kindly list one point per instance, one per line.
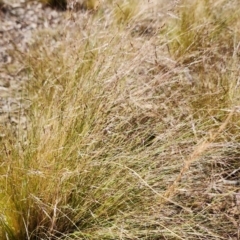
(130, 134)
(204, 39)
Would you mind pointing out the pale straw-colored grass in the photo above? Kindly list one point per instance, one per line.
(132, 126)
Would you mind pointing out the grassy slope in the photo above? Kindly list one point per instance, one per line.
(131, 127)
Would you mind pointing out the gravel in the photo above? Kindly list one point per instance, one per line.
(18, 23)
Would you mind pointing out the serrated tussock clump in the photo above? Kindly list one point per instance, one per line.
(132, 126)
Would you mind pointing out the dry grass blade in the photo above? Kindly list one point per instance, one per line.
(199, 150)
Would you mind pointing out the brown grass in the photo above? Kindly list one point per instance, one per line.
(132, 127)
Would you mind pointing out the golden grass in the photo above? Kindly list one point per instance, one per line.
(132, 127)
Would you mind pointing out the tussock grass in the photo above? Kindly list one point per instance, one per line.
(131, 133)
